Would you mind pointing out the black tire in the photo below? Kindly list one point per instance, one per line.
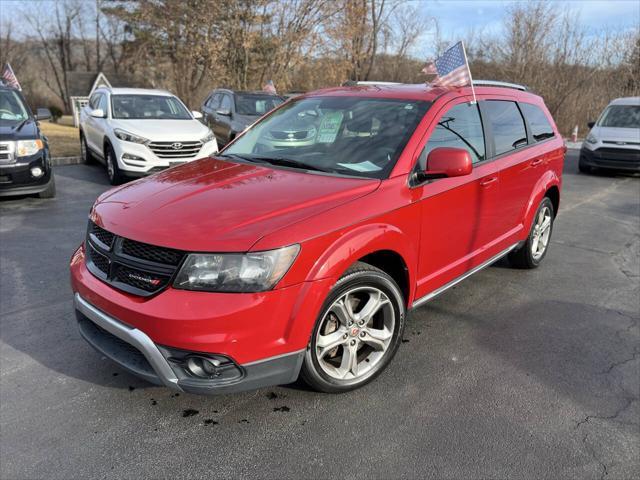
(360, 274)
(584, 168)
(523, 257)
(50, 191)
(85, 151)
(113, 171)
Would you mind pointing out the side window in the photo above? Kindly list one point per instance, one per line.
(460, 127)
(94, 100)
(507, 125)
(541, 129)
(102, 104)
(226, 103)
(215, 103)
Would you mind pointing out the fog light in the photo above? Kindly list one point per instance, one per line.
(202, 367)
(128, 156)
(37, 172)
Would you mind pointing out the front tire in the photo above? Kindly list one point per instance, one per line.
(531, 254)
(85, 152)
(113, 171)
(50, 191)
(357, 332)
(583, 167)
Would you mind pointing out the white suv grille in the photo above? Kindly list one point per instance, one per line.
(181, 150)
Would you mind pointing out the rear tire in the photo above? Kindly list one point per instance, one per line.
(50, 191)
(535, 248)
(113, 170)
(357, 333)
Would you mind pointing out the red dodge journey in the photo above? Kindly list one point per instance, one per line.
(299, 249)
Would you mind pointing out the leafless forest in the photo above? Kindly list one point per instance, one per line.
(192, 46)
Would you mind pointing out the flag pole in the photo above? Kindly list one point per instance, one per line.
(466, 60)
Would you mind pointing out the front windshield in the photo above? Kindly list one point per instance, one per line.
(346, 135)
(621, 116)
(256, 105)
(148, 107)
(12, 110)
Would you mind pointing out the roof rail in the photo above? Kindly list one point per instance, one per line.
(494, 83)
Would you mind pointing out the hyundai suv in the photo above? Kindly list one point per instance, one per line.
(264, 263)
(136, 132)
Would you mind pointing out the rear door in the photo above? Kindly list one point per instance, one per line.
(209, 109)
(457, 214)
(91, 123)
(520, 160)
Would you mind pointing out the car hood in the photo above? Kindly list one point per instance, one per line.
(613, 134)
(27, 130)
(164, 130)
(212, 205)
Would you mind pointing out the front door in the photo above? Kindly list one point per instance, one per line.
(458, 214)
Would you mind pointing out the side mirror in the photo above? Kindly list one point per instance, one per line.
(43, 114)
(446, 162)
(97, 113)
(224, 111)
(197, 115)
(591, 124)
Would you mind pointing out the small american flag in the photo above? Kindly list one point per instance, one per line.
(451, 68)
(269, 87)
(9, 78)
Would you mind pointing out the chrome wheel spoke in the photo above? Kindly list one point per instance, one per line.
(342, 311)
(377, 338)
(545, 225)
(326, 343)
(349, 364)
(375, 302)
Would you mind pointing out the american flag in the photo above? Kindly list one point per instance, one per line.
(9, 78)
(451, 68)
(269, 87)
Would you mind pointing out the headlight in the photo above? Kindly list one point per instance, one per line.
(235, 272)
(208, 138)
(591, 138)
(24, 148)
(129, 137)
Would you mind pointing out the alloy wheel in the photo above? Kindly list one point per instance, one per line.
(111, 169)
(541, 233)
(355, 333)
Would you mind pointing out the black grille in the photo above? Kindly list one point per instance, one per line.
(99, 260)
(622, 154)
(102, 235)
(134, 267)
(151, 252)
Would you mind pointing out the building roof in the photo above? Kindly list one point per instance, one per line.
(81, 84)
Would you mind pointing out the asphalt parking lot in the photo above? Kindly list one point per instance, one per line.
(528, 374)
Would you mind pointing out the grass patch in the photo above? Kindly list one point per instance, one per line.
(64, 140)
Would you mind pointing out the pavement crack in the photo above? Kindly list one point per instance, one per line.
(587, 419)
(593, 455)
(620, 363)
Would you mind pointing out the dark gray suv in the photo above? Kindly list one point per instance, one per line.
(229, 112)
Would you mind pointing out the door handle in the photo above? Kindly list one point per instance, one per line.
(488, 181)
(536, 162)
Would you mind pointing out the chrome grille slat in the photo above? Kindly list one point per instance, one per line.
(166, 149)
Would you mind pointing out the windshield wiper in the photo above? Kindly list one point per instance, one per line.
(288, 162)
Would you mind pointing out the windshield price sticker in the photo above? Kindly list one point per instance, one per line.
(329, 127)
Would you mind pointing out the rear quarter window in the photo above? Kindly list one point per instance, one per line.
(507, 125)
(541, 128)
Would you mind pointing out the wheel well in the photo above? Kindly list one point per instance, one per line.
(554, 195)
(392, 264)
(105, 143)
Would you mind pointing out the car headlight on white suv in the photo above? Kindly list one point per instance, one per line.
(591, 138)
(129, 137)
(25, 148)
(208, 138)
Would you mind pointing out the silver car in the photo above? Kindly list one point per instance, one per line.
(614, 139)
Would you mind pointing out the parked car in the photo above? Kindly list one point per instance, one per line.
(25, 163)
(230, 112)
(614, 139)
(259, 264)
(136, 132)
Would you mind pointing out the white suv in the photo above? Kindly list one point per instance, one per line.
(136, 132)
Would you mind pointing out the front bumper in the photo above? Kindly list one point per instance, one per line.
(263, 335)
(133, 350)
(614, 158)
(16, 178)
(142, 161)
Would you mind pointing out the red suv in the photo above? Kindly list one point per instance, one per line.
(299, 249)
